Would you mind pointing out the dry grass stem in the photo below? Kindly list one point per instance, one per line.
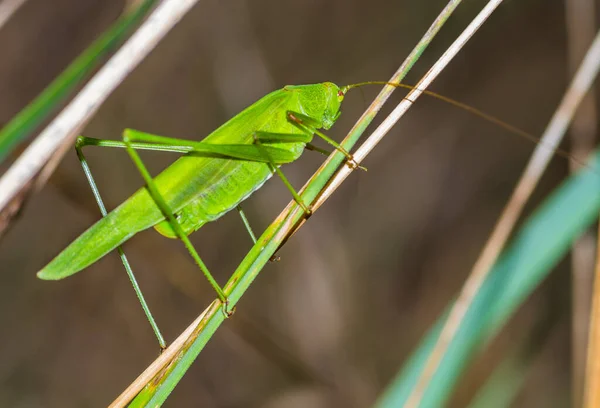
(581, 28)
(157, 365)
(376, 106)
(535, 168)
(592, 372)
(66, 126)
(403, 106)
(7, 9)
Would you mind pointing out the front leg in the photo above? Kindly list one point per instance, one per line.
(309, 125)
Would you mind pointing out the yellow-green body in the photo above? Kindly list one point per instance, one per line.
(200, 189)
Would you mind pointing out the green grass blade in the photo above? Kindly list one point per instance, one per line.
(25, 122)
(155, 393)
(541, 243)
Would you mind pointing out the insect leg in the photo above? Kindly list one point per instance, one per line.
(129, 139)
(308, 124)
(136, 140)
(167, 144)
(81, 142)
(274, 167)
(274, 258)
(317, 149)
(246, 224)
(257, 152)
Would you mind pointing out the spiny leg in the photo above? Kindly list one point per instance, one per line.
(308, 124)
(128, 139)
(81, 142)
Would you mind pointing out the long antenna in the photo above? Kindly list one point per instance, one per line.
(489, 118)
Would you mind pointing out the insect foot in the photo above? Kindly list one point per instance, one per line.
(226, 311)
(307, 210)
(350, 162)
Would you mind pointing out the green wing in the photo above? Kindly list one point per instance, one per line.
(187, 179)
(136, 214)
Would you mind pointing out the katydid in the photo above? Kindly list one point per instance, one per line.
(212, 177)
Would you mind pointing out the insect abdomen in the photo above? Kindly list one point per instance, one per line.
(220, 197)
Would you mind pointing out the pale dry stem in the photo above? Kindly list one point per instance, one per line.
(535, 168)
(403, 106)
(581, 27)
(592, 373)
(7, 9)
(45, 152)
(159, 364)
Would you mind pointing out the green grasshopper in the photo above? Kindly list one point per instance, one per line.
(213, 176)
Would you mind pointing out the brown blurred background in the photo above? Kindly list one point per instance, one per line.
(358, 286)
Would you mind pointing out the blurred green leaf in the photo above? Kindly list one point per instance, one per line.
(503, 385)
(26, 121)
(541, 243)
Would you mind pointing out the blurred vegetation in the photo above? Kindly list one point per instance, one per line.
(399, 239)
(22, 125)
